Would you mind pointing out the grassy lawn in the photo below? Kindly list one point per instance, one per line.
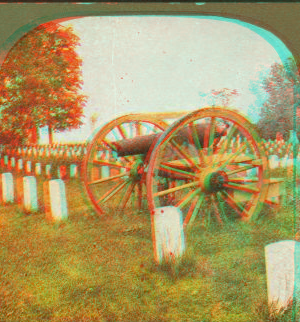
(93, 268)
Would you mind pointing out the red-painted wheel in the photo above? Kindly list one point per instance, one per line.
(114, 182)
(210, 165)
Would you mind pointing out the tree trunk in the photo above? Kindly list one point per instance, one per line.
(50, 133)
(33, 135)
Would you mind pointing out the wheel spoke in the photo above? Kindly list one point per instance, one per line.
(206, 136)
(122, 131)
(241, 169)
(194, 210)
(227, 140)
(101, 163)
(138, 128)
(114, 190)
(185, 155)
(253, 180)
(167, 168)
(148, 129)
(240, 187)
(108, 179)
(231, 202)
(197, 143)
(184, 186)
(127, 195)
(232, 157)
(115, 134)
(257, 162)
(139, 188)
(109, 145)
(128, 128)
(186, 199)
(211, 135)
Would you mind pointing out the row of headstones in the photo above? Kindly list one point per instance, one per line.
(26, 167)
(281, 147)
(55, 201)
(285, 162)
(281, 152)
(67, 153)
(45, 146)
(282, 258)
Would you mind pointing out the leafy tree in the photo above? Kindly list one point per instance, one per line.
(40, 84)
(282, 87)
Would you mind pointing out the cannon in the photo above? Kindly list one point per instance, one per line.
(209, 163)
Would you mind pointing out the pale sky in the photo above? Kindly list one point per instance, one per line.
(165, 63)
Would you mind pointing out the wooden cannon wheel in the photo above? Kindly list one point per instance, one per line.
(215, 177)
(115, 182)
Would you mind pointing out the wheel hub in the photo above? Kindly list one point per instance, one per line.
(137, 169)
(212, 181)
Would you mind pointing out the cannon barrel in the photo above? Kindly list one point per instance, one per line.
(142, 144)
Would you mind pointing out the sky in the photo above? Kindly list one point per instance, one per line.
(166, 63)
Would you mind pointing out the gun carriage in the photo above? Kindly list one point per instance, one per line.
(209, 163)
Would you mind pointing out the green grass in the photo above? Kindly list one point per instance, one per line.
(93, 268)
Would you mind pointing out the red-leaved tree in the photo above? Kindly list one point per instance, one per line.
(40, 84)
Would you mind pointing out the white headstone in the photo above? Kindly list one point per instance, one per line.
(168, 231)
(73, 170)
(7, 187)
(48, 169)
(283, 161)
(38, 169)
(28, 166)
(20, 164)
(30, 194)
(58, 201)
(13, 162)
(105, 172)
(283, 272)
(273, 161)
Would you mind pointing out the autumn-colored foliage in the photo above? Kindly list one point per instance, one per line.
(40, 84)
(277, 113)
